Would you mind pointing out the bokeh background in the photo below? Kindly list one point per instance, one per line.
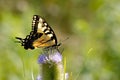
(92, 51)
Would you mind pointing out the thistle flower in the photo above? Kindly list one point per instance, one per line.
(55, 57)
(52, 67)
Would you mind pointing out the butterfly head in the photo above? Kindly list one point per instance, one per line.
(25, 43)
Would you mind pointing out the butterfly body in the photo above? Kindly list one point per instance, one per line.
(41, 36)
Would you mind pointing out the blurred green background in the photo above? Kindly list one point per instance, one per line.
(93, 26)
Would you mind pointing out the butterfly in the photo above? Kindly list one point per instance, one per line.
(41, 36)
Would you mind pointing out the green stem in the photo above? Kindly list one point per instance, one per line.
(52, 71)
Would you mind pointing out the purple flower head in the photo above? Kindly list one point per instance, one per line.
(42, 59)
(51, 56)
(56, 57)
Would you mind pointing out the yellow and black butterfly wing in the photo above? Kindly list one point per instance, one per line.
(48, 38)
(44, 41)
(41, 35)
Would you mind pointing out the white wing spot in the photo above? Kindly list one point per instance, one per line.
(47, 31)
(33, 21)
(48, 28)
(34, 17)
(45, 24)
(50, 35)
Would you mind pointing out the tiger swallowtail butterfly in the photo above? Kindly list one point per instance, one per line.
(41, 36)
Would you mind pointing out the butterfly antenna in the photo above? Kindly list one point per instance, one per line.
(21, 40)
(63, 41)
(18, 38)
